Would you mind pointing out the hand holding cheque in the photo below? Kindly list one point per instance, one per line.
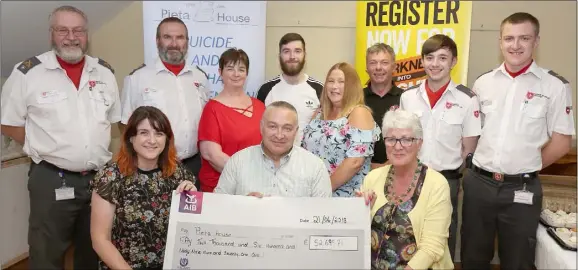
(217, 231)
(369, 197)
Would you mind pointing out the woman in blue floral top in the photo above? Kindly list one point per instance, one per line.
(343, 132)
(131, 196)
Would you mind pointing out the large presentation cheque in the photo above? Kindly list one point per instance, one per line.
(217, 231)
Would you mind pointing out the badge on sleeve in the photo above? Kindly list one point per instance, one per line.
(476, 114)
(568, 109)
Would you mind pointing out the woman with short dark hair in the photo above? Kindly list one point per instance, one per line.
(132, 195)
(230, 122)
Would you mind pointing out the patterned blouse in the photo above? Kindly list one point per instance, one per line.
(335, 140)
(142, 204)
(392, 239)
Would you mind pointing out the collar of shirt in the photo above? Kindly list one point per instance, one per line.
(533, 69)
(451, 87)
(450, 90)
(394, 91)
(283, 160)
(52, 63)
(159, 66)
(522, 70)
(434, 97)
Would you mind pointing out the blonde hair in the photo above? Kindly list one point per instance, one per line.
(352, 93)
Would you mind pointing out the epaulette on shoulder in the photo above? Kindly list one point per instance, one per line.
(484, 73)
(558, 76)
(139, 67)
(28, 64)
(464, 89)
(206, 75)
(412, 87)
(106, 65)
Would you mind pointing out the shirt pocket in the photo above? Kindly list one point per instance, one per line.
(100, 102)
(153, 97)
(487, 111)
(533, 120)
(54, 105)
(449, 127)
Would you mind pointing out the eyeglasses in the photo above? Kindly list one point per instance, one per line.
(64, 32)
(405, 142)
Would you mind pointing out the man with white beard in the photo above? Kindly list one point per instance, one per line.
(293, 85)
(60, 106)
(178, 90)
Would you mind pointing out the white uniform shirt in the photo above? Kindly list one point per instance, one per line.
(182, 98)
(65, 126)
(456, 115)
(519, 116)
(304, 97)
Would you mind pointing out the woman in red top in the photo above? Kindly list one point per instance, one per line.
(230, 121)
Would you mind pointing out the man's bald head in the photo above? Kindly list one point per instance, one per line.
(279, 105)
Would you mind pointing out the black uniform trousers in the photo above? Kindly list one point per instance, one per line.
(453, 177)
(193, 164)
(489, 208)
(55, 225)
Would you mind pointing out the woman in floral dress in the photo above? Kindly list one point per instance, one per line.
(132, 196)
(410, 203)
(342, 132)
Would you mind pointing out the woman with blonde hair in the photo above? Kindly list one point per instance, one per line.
(410, 203)
(343, 132)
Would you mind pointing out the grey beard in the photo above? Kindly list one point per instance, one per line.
(69, 57)
(165, 58)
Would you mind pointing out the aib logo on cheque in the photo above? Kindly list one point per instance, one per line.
(191, 202)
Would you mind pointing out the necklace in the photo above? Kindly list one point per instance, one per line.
(391, 194)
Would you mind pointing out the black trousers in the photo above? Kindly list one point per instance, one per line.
(489, 208)
(193, 164)
(55, 225)
(453, 177)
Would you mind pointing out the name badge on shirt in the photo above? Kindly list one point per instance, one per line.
(64, 193)
(48, 97)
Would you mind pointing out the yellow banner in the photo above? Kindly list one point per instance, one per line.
(405, 26)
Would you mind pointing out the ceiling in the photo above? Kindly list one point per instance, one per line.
(24, 26)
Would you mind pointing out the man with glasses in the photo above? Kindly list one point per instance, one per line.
(179, 90)
(60, 106)
(450, 117)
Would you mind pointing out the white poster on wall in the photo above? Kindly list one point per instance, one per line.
(214, 26)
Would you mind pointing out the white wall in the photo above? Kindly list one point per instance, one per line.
(14, 202)
(14, 210)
